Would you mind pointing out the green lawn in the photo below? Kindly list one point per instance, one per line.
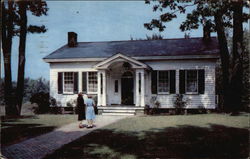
(184, 136)
(14, 130)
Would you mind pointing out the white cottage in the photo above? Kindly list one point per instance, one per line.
(132, 73)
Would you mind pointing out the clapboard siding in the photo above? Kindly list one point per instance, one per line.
(67, 67)
(206, 100)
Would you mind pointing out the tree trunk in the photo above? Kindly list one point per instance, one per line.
(224, 55)
(7, 34)
(237, 58)
(21, 61)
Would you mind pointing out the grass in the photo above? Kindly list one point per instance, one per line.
(15, 130)
(186, 136)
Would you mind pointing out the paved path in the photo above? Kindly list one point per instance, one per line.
(40, 146)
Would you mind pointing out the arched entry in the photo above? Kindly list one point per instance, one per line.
(127, 88)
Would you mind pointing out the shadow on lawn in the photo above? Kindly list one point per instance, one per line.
(184, 141)
(12, 131)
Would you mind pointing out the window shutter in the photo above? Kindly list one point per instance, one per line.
(75, 82)
(154, 82)
(60, 83)
(201, 82)
(84, 82)
(172, 81)
(182, 82)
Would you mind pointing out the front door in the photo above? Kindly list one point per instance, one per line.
(127, 91)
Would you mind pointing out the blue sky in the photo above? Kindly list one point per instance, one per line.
(92, 21)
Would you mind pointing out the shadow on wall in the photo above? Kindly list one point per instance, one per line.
(183, 141)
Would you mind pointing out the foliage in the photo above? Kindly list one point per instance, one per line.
(148, 37)
(246, 72)
(155, 105)
(43, 101)
(202, 13)
(213, 16)
(14, 18)
(180, 102)
(71, 103)
(31, 86)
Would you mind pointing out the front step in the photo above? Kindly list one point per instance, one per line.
(120, 110)
(121, 114)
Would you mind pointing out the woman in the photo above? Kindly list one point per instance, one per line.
(90, 113)
(81, 109)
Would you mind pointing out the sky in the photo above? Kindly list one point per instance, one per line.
(92, 21)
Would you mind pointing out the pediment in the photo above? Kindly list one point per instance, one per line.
(120, 58)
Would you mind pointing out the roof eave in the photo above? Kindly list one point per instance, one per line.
(179, 57)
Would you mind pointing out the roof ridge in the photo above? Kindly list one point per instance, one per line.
(143, 40)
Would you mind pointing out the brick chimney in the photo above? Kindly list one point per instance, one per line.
(72, 39)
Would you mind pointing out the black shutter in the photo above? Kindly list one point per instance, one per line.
(75, 82)
(60, 83)
(84, 82)
(182, 82)
(172, 81)
(154, 82)
(201, 82)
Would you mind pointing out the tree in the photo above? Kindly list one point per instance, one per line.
(14, 15)
(148, 37)
(37, 8)
(8, 17)
(213, 16)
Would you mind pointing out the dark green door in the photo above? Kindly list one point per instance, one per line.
(127, 91)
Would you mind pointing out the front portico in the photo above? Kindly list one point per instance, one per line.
(121, 81)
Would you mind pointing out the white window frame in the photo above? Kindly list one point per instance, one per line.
(64, 92)
(197, 79)
(168, 82)
(88, 83)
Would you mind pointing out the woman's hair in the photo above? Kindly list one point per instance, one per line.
(80, 94)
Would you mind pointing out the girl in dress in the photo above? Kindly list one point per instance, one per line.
(90, 113)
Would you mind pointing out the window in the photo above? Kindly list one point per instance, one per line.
(191, 81)
(163, 81)
(92, 82)
(116, 86)
(68, 82)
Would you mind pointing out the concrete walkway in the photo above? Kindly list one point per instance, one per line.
(40, 146)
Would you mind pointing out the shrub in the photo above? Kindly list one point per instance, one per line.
(71, 103)
(156, 105)
(42, 100)
(180, 103)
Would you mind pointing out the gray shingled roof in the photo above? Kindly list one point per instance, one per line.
(166, 47)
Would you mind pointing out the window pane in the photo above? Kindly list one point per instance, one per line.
(192, 82)
(68, 82)
(92, 82)
(163, 85)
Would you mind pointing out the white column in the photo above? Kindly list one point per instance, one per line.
(142, 88)
(79, 81)
(177, 77)
(137, 95)
(99, 89)
(104, 89)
